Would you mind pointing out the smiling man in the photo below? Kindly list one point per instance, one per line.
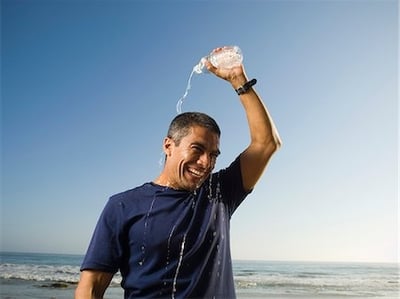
(191, 149)
(169, 238)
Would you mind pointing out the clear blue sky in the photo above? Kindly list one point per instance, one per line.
(89, 88)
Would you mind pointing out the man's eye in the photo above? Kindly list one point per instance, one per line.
(196, 149)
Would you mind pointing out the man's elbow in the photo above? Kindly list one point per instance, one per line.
(273, 145)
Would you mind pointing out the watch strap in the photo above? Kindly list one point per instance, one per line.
(245, 87)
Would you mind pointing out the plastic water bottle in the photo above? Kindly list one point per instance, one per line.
(226, 58)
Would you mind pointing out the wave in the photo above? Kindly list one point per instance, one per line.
(362, 283)
(49, 273)
(319, 285)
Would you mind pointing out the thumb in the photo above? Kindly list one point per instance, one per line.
(210, 67)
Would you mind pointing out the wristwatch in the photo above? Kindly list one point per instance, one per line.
(246, 86)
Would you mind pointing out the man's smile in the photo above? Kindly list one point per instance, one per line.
(196, 172)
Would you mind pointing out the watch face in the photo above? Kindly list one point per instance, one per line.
(241, 90)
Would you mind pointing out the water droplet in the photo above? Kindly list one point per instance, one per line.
(210, 188)
(178, 266)
(169, 244)
(143, 247)
(194, 202)
(218, 192)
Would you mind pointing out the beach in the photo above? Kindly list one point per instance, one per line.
(54, 276)
(23, 289)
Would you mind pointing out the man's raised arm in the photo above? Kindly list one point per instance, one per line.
(264, 136)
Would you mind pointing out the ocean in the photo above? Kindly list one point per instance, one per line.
(54, 276)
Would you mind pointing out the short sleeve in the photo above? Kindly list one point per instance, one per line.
(231, 185)
(105, 249)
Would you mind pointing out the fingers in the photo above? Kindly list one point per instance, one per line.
(218, 49)
(210, 67)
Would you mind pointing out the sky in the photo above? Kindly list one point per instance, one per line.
(88, 89)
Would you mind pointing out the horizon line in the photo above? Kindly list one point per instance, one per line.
(233, 259)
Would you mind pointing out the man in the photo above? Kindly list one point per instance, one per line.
(170, 238)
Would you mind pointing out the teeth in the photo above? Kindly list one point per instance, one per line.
(196, 172)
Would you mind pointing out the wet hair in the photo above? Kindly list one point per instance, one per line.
(181, 125)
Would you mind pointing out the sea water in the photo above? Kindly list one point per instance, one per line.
(34, 276)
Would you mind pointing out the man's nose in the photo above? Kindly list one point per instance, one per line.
(204, 160)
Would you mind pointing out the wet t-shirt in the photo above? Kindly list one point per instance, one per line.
(168, 243)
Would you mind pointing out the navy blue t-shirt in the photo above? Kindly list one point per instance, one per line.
(169, 243)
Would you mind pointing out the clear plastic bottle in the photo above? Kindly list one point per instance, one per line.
(228, 57)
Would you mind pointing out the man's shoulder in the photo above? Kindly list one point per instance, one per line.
(129, 194)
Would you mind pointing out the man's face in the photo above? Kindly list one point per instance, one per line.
(190, 163)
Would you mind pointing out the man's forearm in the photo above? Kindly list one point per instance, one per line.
(83, 292)
(92, 285)
(265, 139)
(263, 131)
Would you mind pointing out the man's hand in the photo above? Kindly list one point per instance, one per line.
(236, 75)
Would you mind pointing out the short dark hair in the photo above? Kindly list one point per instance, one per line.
(182, 123)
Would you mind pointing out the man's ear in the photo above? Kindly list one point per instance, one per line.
(167, 145)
